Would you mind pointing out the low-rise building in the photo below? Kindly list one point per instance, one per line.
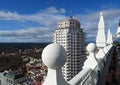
(12, 77)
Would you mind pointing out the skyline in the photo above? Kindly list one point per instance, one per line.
(36, 20)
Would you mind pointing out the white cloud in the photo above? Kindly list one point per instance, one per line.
(36, 34)
(90, 21)
(49, 19)
(45, 17)
(53, 10)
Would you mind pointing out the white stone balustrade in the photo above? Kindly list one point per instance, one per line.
(54, 57)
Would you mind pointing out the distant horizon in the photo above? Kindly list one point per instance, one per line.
(92, 41)
(26, 42)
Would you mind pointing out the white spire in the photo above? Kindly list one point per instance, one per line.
(108, 36)
(101, 37)
(118, 31)
(111, 39)
(101, 22)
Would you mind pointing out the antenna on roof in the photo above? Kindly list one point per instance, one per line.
(71, 17)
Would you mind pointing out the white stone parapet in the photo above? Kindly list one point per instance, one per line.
(54, 57)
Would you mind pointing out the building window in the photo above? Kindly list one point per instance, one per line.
(11, 82)
(7, 80)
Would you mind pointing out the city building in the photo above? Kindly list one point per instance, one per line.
(101, 37)
(70, 35)
(36, 69)
(12, 78)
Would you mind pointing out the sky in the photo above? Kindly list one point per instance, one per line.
(36, 20)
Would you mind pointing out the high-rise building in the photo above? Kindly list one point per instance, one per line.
(70, 35)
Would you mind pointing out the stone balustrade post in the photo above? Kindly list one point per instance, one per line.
(91, 62)
(54, 57)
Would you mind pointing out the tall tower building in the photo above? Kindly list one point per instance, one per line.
(101, 37)
(70, 35)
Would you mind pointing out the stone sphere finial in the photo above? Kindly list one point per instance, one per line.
(54, 56)
(91, 47)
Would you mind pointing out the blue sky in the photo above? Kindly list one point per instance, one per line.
(36, 20)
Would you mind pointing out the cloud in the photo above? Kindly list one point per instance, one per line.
(53, 10)
(36, 34)
(45, 17)
(48, 19)
(90, 21)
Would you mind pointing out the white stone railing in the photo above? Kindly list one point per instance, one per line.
(54, 57)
